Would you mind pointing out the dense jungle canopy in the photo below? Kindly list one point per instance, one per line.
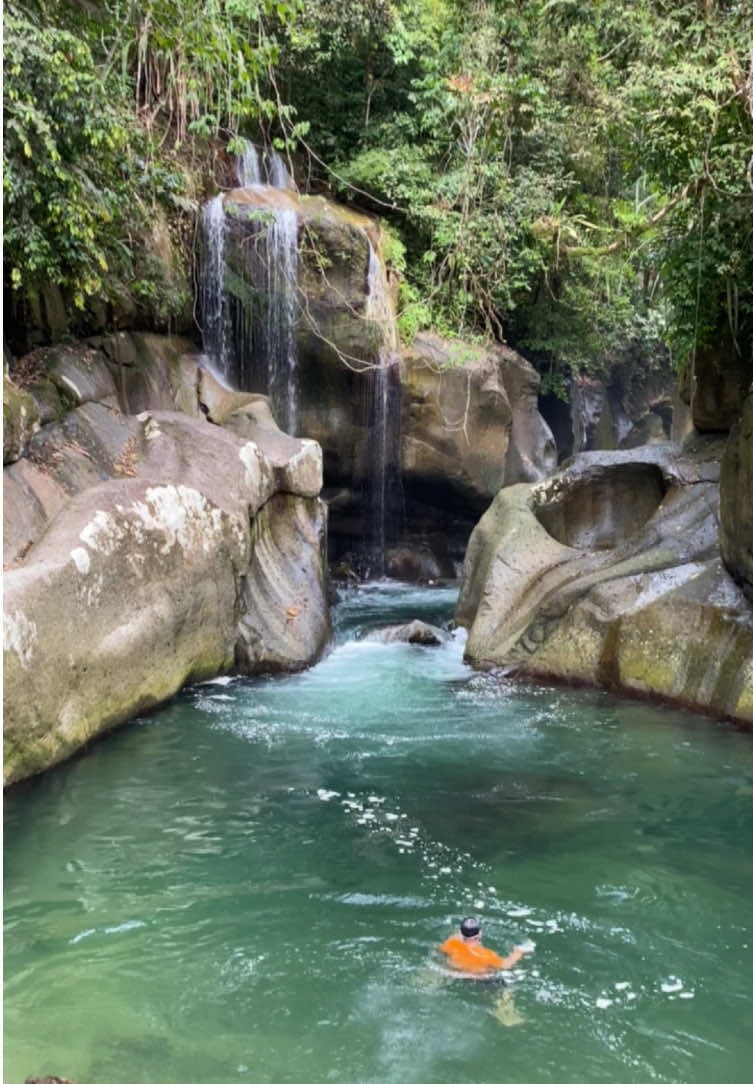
(575, 178)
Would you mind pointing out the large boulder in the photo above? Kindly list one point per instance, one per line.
(736, 501)
(470, 424)
(456, 423)
(152, 372)
(138, 568)
(609, 573)
(470, 420)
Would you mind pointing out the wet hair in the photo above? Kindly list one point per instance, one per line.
(469, 927)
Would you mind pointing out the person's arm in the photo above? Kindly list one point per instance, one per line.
(511, 960)
(517, 953)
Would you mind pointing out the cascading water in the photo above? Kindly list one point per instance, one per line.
(278, 172)
(250, 319)
(253, 168)
(214, 306)
(249, 167)
(279, 277)
(382, 483)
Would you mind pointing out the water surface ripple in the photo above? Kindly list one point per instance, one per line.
(250, 883)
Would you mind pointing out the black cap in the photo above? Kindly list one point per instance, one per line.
(469, 927)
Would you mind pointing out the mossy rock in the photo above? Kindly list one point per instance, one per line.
(20, 420)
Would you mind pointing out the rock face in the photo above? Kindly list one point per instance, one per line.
(609, 573)
(434, 431)
(736, 501)
(470, 424)
(635, 406)
(20, 420)
(470, 421)
(716, 386)
(146, 551)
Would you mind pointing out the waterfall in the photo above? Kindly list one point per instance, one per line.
(279, 278)
(382, 481)
(253, 169)
(250, 312)
(278, 172)
(248, 166)
(213, 302)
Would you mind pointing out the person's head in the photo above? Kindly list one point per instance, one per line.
(470, 929)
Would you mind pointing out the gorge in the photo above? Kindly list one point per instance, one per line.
(378, 545)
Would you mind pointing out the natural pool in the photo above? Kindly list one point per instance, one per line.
(249, 884)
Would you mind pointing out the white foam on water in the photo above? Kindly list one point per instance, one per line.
(672, 985)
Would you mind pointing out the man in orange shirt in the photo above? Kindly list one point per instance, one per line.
(467, 954)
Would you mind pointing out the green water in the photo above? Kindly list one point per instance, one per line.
(191, 902)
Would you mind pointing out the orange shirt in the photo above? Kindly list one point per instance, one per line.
(470, 956)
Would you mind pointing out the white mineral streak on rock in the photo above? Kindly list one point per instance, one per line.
(77, 393)
(251, 459)
(102, 534)
(181, 514)
(80, 558)
(20, 637)
(151, 429)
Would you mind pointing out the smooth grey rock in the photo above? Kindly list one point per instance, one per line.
(154, 538)
(414, 632)
(153, 372)
(81, 374)
(609, 573)
(285, 615)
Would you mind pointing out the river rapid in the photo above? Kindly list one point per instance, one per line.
(250, 884)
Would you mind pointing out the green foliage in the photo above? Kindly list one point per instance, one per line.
(96, 101)
(573, 178)
(64, 141)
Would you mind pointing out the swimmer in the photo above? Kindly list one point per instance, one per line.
(467, 955)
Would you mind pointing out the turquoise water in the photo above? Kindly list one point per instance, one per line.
(250, 883)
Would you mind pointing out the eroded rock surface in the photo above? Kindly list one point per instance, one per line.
(145, 551)
(609, 573)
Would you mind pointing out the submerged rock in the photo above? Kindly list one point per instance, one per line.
(414, 632)
(609, 573)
